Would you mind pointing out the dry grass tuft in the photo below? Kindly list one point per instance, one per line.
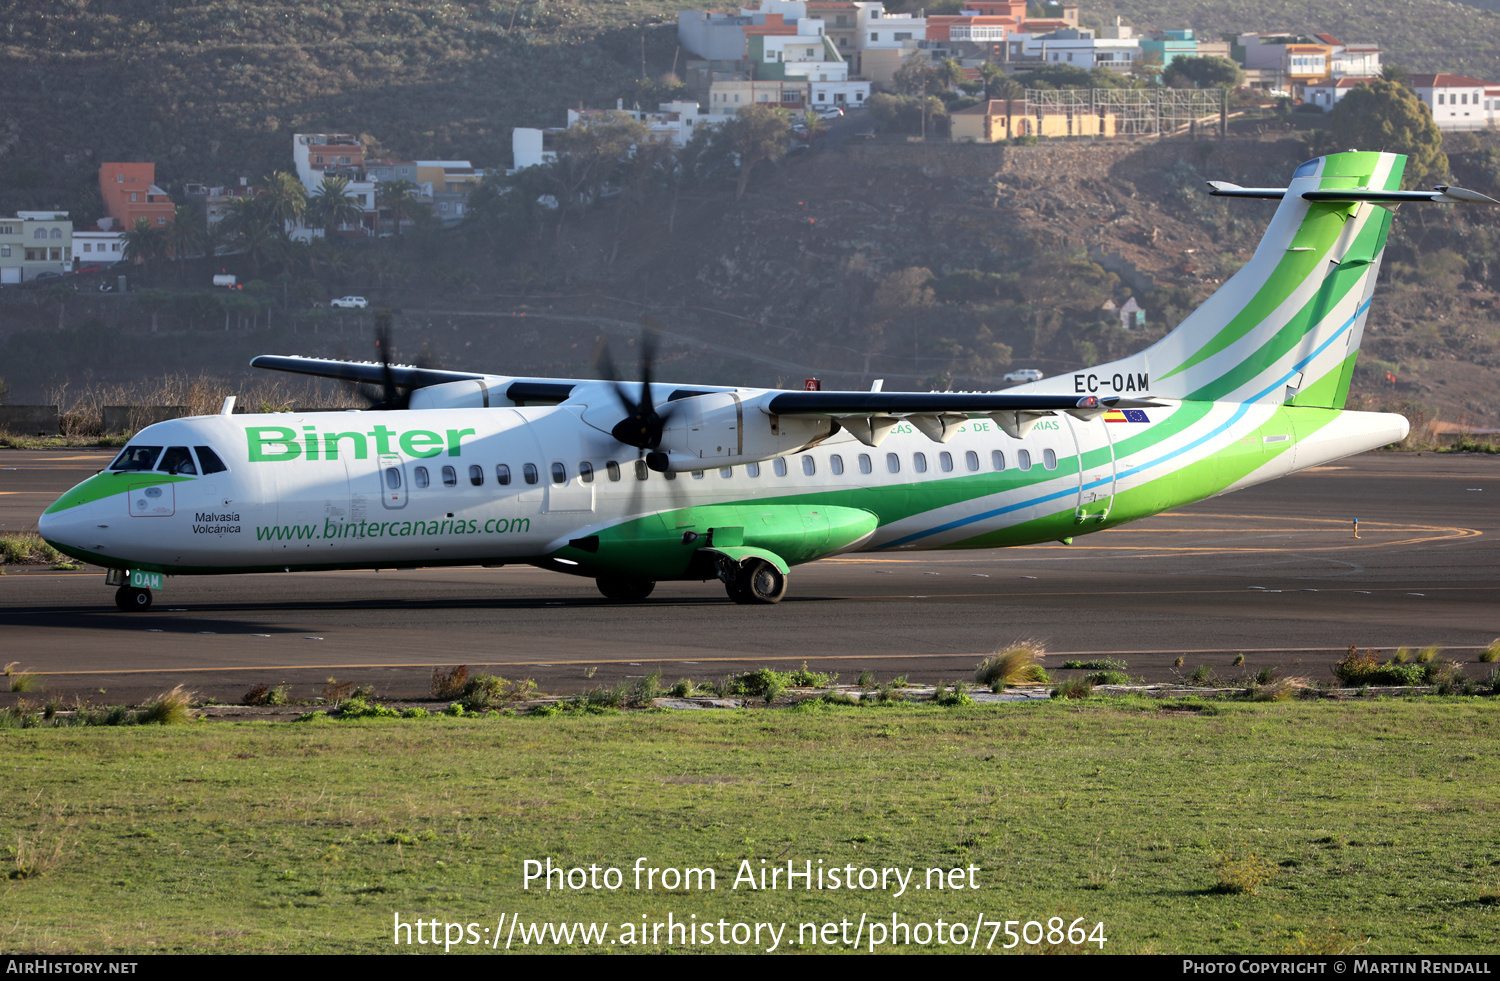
(1015, 664)
(448, 685)
(169, 708)
(1491, 654)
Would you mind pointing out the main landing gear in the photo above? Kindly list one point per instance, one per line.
(132, 599)
(755, 582)
(625, 590)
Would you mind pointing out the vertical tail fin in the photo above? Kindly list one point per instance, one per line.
(1286, 328)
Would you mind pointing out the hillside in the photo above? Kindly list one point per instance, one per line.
(927, 265)
(213, 89)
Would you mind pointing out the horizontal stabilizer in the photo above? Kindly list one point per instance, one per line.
(1441, 194)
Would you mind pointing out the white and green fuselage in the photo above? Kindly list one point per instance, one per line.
(1248, 388)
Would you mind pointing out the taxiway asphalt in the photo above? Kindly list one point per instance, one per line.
(1272, 572)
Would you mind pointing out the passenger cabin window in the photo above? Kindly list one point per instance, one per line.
(808, 466)
(208, 461)
(641, 470)
(613, 469)
(752, 469)
(1049, 459)
(502, 474)
(1023, 459)
(450, 477)
(136, 458)
(419, 477)
(836, 464)
(997, 459)
(669, 475)
(779, 466)
(177, 459)
(726, 472)
(697, 474)
(530, 473)
(586, 472)
(945, 460)
(919, 462)
(866, 465)
(559, 473)
(971, 460)
(893, 463)
(476, 475)
(393, 478)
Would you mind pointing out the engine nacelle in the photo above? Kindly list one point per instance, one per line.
(471, 393)
(724, 429)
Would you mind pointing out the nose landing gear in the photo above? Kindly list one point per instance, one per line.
(132, 599)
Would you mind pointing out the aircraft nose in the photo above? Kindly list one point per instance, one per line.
(71, 527)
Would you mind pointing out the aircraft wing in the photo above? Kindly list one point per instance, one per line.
(362, 372)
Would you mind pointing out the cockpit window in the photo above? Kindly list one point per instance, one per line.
(177, 459)
(136, 458)
(209, 460)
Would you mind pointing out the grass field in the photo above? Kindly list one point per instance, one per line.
(1191, 827)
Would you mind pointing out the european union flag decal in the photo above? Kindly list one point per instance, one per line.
(1126, 415)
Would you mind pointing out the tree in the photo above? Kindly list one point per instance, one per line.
(1382, 115)
(1056, 77)
(757, 133)
(916, 78)
(286, 200)
(184, 236)
(400, 199)
(144, 242)
(589, 154)
(1206, 72)
(950, 73)
(332, 206)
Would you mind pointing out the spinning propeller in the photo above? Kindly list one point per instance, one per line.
(391, 395)
(643, 424)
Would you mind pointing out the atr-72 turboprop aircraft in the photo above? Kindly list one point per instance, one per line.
(696, 482)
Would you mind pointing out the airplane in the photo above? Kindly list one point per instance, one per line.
(672, 482)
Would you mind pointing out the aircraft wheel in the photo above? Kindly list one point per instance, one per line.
(763, 582)
(625, 590)
(738, 590)
(133, 600)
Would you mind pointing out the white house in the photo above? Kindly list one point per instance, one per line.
(99, 244)
(1457, 101)
(1326, 95)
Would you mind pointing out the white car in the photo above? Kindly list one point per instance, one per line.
(350, 302)
(1023, 375)
(831, 112)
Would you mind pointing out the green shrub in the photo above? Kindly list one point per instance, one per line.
(765, 683)
(803, 678)
(1098, 664)
(1203, 675)
(360, 708)
(1074, 688)
(266, 695)
(27, 549)
(1241, 873)
(956, 697)
(684, 688)
(1108, 678)
(1491, 654)
(486, 691)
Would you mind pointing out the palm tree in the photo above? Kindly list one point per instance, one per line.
(399, 198)
(143, 243)
(184, 236)
(951, 73)
(332, 206)
(287, 199)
